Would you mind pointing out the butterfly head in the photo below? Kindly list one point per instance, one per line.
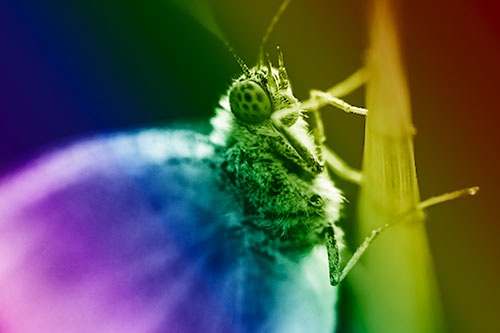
(250, 101)
(261, 91)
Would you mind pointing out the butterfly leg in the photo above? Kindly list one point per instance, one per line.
(332, 96)
(353, 82)
(333, 161)
(333, 252)
(319, 99)
(358, 253)
(292, 149)
(322, 98)
(318, 133)
(337, 274)
(340, 167)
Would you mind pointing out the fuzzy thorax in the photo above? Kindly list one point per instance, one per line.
(277, 195)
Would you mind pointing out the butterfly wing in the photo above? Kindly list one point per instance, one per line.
(133, 233)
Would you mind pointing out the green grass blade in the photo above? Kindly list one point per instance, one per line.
(398, 291)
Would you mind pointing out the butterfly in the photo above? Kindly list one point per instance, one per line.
(176, 229)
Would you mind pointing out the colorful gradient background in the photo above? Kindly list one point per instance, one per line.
(72, 69)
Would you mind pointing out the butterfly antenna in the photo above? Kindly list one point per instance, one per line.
(261, 58)
(236, 57)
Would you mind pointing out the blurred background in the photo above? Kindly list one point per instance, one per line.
(73, 69)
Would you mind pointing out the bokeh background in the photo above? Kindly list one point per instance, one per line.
(73, 69)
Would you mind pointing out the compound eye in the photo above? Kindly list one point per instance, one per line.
(249, 102)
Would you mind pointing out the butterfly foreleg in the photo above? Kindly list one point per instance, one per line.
(325, 98)
(332, 96)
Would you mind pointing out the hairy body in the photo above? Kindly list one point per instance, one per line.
(291, 206)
